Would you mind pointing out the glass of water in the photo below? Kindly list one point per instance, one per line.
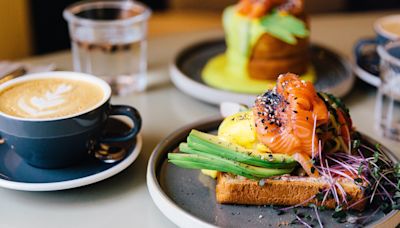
(388, 97)
(108, 40)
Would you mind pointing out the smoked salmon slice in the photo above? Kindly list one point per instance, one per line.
(259, 8)
(286, 119)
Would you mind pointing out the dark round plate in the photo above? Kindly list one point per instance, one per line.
(187, 197)
(334, 72)
(17, 174)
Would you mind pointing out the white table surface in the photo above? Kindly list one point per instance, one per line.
(123, 200)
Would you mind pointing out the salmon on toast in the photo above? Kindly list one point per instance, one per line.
(287, 116)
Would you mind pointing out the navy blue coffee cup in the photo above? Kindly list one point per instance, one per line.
(365, 49)
(68, 140)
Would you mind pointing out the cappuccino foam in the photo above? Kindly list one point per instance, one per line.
(49, 98)
(391, 27)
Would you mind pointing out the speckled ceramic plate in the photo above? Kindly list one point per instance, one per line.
(334, 73)
(187, 197)
(17, 174)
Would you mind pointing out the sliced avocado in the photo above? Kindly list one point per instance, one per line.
(207, 161)
(200, 165)
(211, 144)
(184, 147)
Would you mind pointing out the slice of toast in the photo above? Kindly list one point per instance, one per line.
(283, 190)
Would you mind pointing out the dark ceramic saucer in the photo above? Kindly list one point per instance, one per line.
(17, 174)
(366, 65)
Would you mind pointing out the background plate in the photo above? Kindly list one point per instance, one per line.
(187, 197)
(334, 73)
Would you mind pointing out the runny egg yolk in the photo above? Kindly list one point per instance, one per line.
(239, 129)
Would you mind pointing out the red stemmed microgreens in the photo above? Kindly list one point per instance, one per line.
(367, 166)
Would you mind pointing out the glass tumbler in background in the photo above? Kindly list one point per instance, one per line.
(108, 40)
(388, 96)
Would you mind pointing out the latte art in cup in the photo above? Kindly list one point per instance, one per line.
(58, 119)
(49, 98)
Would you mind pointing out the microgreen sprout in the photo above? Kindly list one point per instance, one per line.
(368, 167)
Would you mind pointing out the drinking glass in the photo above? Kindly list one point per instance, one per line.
(388, 96)
(108, 39)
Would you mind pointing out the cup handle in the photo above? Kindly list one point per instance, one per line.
(112, 154)
(131, 113)
(359, 47)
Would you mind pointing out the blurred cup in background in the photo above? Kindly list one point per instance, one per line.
(387, 29)
(108, 40)
(388, 96)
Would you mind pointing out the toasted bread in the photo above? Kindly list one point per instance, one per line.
(284, 191)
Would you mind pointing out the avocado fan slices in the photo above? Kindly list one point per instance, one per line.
(207, 151)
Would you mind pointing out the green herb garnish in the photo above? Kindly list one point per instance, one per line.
(284, 27)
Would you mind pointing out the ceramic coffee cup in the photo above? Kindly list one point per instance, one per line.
(386, 29)
(57, 119)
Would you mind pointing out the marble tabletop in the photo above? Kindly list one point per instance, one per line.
(123, 200)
